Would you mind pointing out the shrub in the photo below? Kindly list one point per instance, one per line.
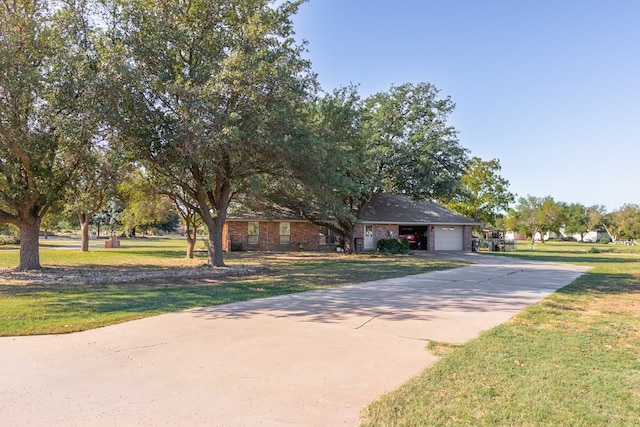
(393, 246)
(9, 240)
(237, 246)
(604, 241)
(593, 250)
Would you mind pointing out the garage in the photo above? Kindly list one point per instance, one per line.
(449, 238)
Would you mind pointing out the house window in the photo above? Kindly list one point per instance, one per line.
(253, 233)
(285, 233)
(327, 236)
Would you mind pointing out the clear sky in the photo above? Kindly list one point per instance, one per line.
(549, 87)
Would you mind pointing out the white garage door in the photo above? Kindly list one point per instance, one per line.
(449, 238)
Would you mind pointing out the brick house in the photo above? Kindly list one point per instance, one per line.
(429, 226)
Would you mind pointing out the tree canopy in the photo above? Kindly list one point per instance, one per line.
(47, 70)
(535, 215)
(209, 94)
(483, 194)
(396, 142)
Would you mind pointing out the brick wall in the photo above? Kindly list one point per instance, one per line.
(431, 240)
(303, 233)
(467, 237)
(308, 235)
(380, 231)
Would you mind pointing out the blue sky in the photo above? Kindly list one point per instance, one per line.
(550, 88)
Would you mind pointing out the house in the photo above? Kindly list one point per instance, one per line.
(428, 226)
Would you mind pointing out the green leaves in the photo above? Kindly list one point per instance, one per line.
(209, 94)
(414, 149)
(483, 194)
(47, 120)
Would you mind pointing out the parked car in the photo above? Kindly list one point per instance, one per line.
(412, 238)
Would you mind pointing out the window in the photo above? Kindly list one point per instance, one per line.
(327, 236)
(254, 233)
(368, 231)
(285, 233)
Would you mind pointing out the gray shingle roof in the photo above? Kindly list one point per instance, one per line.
(383, 209)
(393, 209)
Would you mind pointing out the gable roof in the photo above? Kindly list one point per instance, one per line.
(395, 209)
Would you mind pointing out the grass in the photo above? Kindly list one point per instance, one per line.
(571, 360)
(28, 309)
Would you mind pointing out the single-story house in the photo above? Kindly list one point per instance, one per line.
(427, 225)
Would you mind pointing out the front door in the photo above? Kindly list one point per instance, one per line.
(369, 243)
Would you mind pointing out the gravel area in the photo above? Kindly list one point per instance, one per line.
(116, 275)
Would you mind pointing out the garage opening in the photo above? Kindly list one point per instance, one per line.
(416, 234)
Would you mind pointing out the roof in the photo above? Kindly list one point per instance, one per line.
(383, 209)
(395, 209)
(266, 213)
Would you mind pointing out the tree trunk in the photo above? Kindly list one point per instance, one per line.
(348, 230)
(191, 243)
(30, 245)
(350, 240)
(84, 231)
(216, 254)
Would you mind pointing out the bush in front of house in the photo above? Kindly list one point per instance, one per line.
(393, 246)
(604, 241)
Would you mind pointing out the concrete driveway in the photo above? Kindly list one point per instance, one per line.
(309, 359)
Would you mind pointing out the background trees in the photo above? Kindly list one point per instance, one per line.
(624, 223)
(535, 215)
(576, 218)
(483, 194)
(47, 70)
(97, 180)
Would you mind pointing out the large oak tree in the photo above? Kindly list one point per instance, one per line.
(209, 94)
(47, 67)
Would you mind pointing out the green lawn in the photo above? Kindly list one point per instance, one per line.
(27, 309)
(571, 360)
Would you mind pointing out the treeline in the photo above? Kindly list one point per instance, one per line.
(540, 215)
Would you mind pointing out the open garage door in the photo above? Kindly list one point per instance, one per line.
(449, 238)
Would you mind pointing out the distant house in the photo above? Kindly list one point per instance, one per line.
(429, 227)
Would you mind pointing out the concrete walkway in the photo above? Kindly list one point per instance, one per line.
(309, 359)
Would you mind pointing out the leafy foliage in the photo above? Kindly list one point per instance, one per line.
(535, 215)
(395, 142)
(483, 194)
(624, 223)
(47, 120)
(209, 94)
(393, 246)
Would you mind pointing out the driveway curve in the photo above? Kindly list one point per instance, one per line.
(312, 359)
